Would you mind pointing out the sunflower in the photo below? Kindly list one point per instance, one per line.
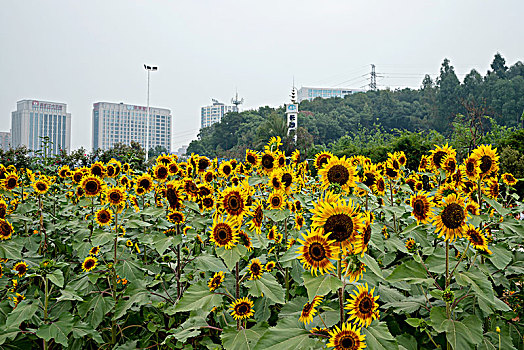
(203, 163)
(271, 234)
(276, 200)
(244, 239)
(103, 216)
(117, 166)
(308, 311)
(164, 159)
(425, 164)
(144, 181)
(287, 178)
(492, 188)
(110, 170)
(98, 169)
(129, 243)
(241, 308)
(116, 195)
(347, 338)
(92, 185)
(472, 167)
(274, 181)
(362, 306)
(173, 195)
(422, 207)
(94, 251)
(391, 171)
(472, 207)
(445, 190)
(252, 158)
(438, 154)
(215, 281)
(449, 164)
(380, 186)
(160, 172)
(353, 269)
(281, 159)
(11, 181)
(257, 214)
(208, 202)
(190, 188)
(89, 263)
(255, 269)
(3, 209)
(299, 221)
(173, 168)
(316, 252)
(338, 171)
(20, 268)
(452, 219)
(362, 240)
(341, 220)
(411, 245)
(224, 233)
(488, 158)
(18, 298)
(40, 186)
(6, 229)
(509, 179)
(175, 216)
(477, 239)
(225, 169)
(208, 176)
(205, 190)
(268, 162)
(270, 266)
(77, 176)
(233, 201)
(322, 159)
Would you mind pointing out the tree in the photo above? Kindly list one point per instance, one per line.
(499, 66)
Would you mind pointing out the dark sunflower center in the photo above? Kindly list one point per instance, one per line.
(475, 237)
(391, 172)
(281, 161)
(96, 171)
(162, 172)
(485, 164)
(173, 168)
(322, 160)
(251, 159)
(209, 177)
(369, 179)
(41, 186)
(267, 161)
(208, 202)
(2, 212)
(110, 171)
(223, 234)
(275, 201)
(77, 177)
(89, 264)
(347, 342)
(103, 216)
(307, 308)
(242, 309)
(204, 191)
(339, 227)
(419, 207)
(300, 221)
(287, 179)
(381, 185)
(115, 196)
(453, 216)
(338, 174)
(144, 183)
(437, 157)
(5, 229)
(396, 165)
(91, 186)
(203, 164)
(367, 234)
(317, 252)
(366, 305)
(11, 183)
(259, 216)
(255, 269)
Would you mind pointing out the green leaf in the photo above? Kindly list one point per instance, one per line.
(438, 316)
(413, 322)
(101, 238)
(497, 206)
(372, 264)
(465, 334)
(23, 312)
(287, 335)
(162, 242)
(192, 205)
(129, 270)
(478, 282)
(81, 329)
(242, 339)
(501, 256)
(209, 263)
(277, 215)
(410, 271)
(266, 286)
(58, 330)
(135, 223)
(96, 308)
(68, 294)
(262, 310)
(378, 337)
(141, 297)
(230, 256)
(256, 180)
(198, 297)
(320, 285)
(57, 277)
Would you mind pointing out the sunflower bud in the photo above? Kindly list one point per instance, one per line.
(448, 296)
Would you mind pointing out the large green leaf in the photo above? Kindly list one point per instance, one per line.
(465, 334)
(230, 256)
(82, 329)
(262, 310)
(129, 269)
(58, 330)
(141, 297)
(23, 312)
(500, 256)
(162, 242)
(57, 277)
(410, 271)
(198, 297)
(209, 263)
(266, 286)
(288, 334)
(244, 339)
(437, 317)
(378, 337)
(96, 308)
(478, 282)
(372, 264)
(320, 285)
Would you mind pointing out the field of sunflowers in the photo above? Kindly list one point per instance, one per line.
(266, 252)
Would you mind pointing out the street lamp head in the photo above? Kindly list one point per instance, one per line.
(152, 68)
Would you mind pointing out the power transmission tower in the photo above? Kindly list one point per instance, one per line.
(373, 78)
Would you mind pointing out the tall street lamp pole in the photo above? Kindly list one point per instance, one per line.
(148, 69)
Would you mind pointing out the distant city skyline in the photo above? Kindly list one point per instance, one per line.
(80, 53)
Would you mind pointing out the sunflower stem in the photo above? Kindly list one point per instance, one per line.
(340, 291)
(237, 291)
(286, 276)
(460, 260)
(178, 269)
(113, 289)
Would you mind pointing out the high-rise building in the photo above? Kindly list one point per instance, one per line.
(309, 93)
(36, 122)
(5, 140)
(214, 113)
(122, 123)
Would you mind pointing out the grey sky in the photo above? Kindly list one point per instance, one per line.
(81, 52)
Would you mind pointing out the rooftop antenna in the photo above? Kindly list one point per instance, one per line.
(293, 92)
(237, 102)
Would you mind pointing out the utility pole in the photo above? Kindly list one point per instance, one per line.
(373, 79)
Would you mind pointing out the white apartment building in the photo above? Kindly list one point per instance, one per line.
(310, 93)
(214, 113)
(34, 121)
(5, 140)
(122, 123)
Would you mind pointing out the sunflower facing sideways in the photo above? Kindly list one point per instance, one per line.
(308, 311)
(216, 281)
(509, 179)
(224, 233)
(347, 338)
(316, 252)
(257, 214)
(322, 159)
(241, 308)
(362, 306)
(451, 221)
(477, 239)
(338, 171)
(6, 229)
(438, 154)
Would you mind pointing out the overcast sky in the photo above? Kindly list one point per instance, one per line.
(81, 52)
